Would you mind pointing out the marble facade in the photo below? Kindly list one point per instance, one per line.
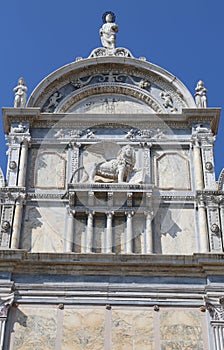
(111, 217)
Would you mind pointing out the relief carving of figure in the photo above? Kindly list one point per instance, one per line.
(201, 95)
(20, 94)
(19, 129)
(108, 31)
(117, 169)
(53, 102)
(168, 101)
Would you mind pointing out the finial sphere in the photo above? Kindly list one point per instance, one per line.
(113, 16)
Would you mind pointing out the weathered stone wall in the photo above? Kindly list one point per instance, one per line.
(98, 328)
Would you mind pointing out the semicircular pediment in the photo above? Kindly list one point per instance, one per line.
(157, 88)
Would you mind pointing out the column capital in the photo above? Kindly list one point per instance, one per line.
(90, 212)
(129, 213)
(21, 198)
(215, 306)
(5, 303)
(73, 145)
(70, 211)
(149, 212)
(201, 201)
(26, 141)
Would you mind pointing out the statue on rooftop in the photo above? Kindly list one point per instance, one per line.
(200, 95)
(20, 94)
(108, 31)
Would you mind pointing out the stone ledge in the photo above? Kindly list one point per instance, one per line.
(196, 265)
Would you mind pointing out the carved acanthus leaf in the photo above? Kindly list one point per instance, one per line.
(215, 308)
(5, 303)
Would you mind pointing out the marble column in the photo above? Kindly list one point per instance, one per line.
(109, 234)
(129, 234)
(199, 183)
(69, 239)
(218, 333)
(16, 228)
(89, 233)
(148, 239)
(203, 227)
(23, 163)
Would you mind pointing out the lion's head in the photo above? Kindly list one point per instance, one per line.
(127, 154)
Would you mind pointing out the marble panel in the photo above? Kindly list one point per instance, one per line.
(174, 231)
(43, 229)
(172, 170)
(35, 328)
(79, 236)
(118, 228)
(138, 233)
(98, 233)
(132, 330)
(48, 169)
(181, 329)
(83, 329)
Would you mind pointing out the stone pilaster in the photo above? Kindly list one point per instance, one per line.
(148, 239)
(216, 311)
(5, 303)
(13, 159)
(89, 233)
(147, 162)
(23, 161)
(203, 227)
(222, 220)
(207, 144)
(109, 234)
(17, 222)
(74, 161)
(129, 233)
(69, 236)
(214, 225)
(198, 172)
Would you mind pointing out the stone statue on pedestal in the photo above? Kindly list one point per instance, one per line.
(200, 95)
(108, 31)
(20, 94)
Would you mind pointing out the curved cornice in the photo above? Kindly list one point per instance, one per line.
(109, 88)
(65, 74)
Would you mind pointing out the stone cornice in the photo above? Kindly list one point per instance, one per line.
(196, 265)
(46, 120)
(19, 114)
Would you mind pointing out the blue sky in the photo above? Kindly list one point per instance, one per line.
(184, 37)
